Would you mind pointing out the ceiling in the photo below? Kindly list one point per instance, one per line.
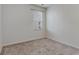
(43, 5)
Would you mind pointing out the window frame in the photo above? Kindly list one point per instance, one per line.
(40, 27)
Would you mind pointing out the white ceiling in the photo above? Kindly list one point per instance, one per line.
(43, 5)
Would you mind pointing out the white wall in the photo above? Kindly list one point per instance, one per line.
(18, 25)
(63, 24)
(0, 28)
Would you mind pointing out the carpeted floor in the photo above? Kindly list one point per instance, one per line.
(39, 47)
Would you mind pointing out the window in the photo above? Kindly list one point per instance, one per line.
(37, 19)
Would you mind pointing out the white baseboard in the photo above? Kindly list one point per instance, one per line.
(12, 43)
(65, 43)
(49, 37)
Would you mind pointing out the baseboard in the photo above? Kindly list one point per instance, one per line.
(64, 43)
(12, 43)
(51, 37)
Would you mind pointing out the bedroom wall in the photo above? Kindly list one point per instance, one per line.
(63, 24)
(0, 27)
(18, 24)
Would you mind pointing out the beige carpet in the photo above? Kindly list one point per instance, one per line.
(39, 47)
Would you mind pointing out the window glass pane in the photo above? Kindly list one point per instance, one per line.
(37, 19)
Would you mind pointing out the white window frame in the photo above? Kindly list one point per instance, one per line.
(43, 19)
